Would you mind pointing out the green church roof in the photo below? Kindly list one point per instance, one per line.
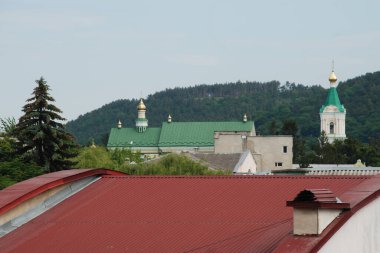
(128, 137)
(197, 134)
(175, 134)
(332, 99)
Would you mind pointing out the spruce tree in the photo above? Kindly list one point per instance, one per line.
(41, 134)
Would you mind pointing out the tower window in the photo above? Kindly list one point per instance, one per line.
(278, 164)
(285, 149)
(331, 128)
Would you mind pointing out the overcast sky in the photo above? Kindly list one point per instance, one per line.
(94, 52)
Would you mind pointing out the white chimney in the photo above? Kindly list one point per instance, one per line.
(314, 210)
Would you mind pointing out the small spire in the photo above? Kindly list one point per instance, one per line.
(119, 125)
(245, 117)
(141, 105)
(169, 118)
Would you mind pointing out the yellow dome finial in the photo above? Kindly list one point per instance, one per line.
(141, 105)
(332, 77)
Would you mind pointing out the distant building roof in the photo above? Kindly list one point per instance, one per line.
(331, 169)
(225, 162)
(175, 134)
(197, 133)
(129, 137)
(176, 213)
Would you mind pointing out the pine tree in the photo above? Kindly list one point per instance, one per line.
(42, 136)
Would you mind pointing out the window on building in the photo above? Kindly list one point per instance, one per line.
(331, 128)
(285, 149)
(278, 164)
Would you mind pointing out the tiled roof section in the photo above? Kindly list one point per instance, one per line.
(332, 99)
(225, 162)
(127, 137)
(171, 214)
(197, 134)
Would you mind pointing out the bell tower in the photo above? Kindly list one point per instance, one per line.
(333, 113)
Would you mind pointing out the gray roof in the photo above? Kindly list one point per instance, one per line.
(226, 162)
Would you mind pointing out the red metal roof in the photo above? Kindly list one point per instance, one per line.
(20, 192)
(173, 214)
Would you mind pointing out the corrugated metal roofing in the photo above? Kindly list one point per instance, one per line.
(197, 133)
(172, 214)
(174, 134)
(129, 137)
(15, 194)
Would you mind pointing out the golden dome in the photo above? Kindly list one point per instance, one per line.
(332, 77)
(141, 105)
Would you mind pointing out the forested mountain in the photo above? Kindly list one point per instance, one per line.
(263, 103)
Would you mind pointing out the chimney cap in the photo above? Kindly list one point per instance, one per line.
(317, 198)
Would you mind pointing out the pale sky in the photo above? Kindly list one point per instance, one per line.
(93, 52)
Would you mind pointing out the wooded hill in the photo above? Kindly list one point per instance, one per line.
(263, 103)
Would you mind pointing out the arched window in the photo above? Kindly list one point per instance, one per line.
(331, 128)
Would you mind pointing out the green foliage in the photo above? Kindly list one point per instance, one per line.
(94, 157)
(7, 126)
(100, 157)
(345, 152)
(129, 162)
(172, 164)
(289, 127)
(7, 140)
(273, 129)
(7, 148)
(121, 156)
(12, 167)
(16, 170)
(42, 137)
(263, 102)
